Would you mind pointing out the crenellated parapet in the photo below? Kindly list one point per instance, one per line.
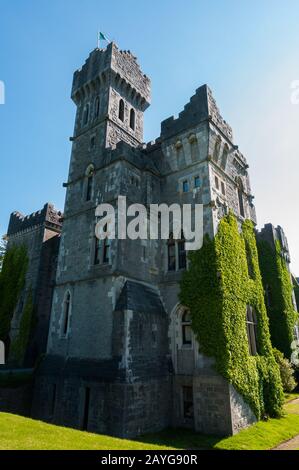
(47, 216)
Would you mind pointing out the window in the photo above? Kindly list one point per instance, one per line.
(268, 297)
(132, 119)
(186, 328)
(240, 199)
(97, 250)
(217, 182)
(106, 248)
(154, 335)
(171, 253)
(86, 115)
(185, 186)
(224, 157)
(97, 108)
(249, 261)
(121, 110)
(217, 149)
(182, 253)
(223, 188)
(196, 182)
(89, 187)
(92, 142)
(188, 402)
(66, 314)
(251, 326)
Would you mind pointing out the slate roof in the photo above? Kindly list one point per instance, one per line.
(140, 298)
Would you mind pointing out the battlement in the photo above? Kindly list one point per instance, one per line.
(48, 215)
(202, 106)
(100, 64)
(272, 234)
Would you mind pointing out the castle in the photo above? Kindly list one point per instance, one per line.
(121, 357)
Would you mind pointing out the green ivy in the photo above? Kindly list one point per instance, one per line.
(12, 281)
(19, 346)
(217, 289)
(281, 312)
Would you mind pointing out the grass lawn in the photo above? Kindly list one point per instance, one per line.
(19, 433)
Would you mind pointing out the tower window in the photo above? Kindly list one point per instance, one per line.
(223, 188)
(196, 182)
(97, 250)
(66, 314)
(251, 326)
(86, 115)
(121, 110)
(106, 248)
(224, 157)
(97, 108)
(171, 253)
(132, 119)
(217, 182)
(89, 187)
(240, 198)
(182, 253)
(185, 186)
(186, 329)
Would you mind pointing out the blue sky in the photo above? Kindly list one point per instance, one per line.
(247, 51)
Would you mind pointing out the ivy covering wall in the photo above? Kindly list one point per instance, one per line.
(217, 289)
(19, 346)
(278, 284)
(12, 281)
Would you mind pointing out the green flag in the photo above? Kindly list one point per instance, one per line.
(102, 36)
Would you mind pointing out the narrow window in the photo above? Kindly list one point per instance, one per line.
(106, 248)
(92, 142)
(196, 182)
(66, 314)
(217, 149)
(121, 110)
(86, 115)
(132, 119)
(186, 329)
(182, 253)
(224, 157)
(97, 108)
(268, 297)
(249, 261)
(86, 409)
(217, 182)
(223, 188)
(188, 402)
(89, 187)
(97, 250)
(185, 186)
(251, 326)
(171, 253)
(154, 335)
(241, 202)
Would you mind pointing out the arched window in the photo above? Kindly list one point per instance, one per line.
(66, 314)
(251, 326)
(186, 328)
(224, 157)
(240, 197)
(132, 119)
(182, 252)
(121, 110)
(171, 253)
(97, 108)
(86, 115)
(217, 149)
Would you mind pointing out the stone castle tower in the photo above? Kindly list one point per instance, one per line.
(121, 355)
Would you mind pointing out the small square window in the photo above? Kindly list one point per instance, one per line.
(196, 182)
(185, 186)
